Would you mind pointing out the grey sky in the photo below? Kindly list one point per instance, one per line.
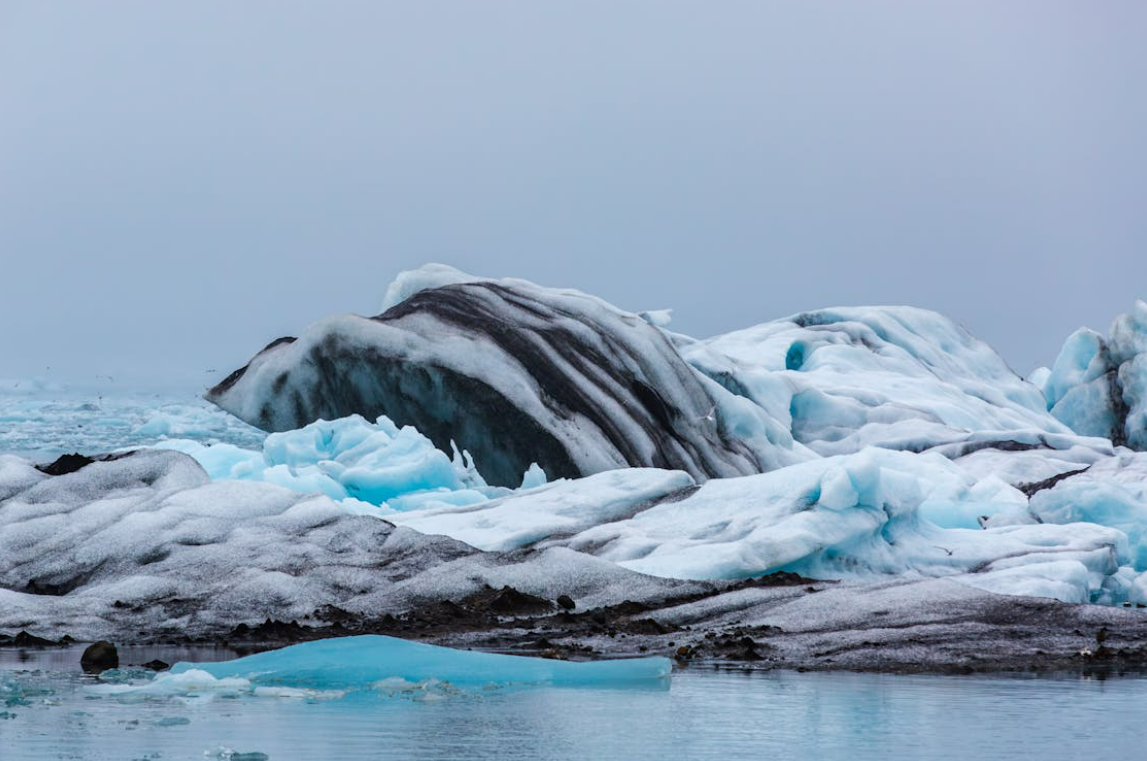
(182, 182)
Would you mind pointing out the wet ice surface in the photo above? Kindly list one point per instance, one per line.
(702, 714)
(43, 421)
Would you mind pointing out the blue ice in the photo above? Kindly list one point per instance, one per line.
(360, 662)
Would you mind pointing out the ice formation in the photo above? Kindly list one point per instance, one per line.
(374, 662)
(515, 374)
(40, 420)
(147, 545)
(894, 377)
(612, 460)
(352, 458)
(864, 516)
(1098, 386)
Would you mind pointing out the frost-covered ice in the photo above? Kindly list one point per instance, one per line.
(378, 662)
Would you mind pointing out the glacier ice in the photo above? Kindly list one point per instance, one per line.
(874, 513)
(515, 374)
(1098, 386)
(896, 377)
(612, 460)
(532, 515)
(148, 543)
(352, 458)
(373, 661)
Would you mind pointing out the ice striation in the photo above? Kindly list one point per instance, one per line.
(515, 374)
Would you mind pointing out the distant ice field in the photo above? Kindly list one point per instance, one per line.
(41, 421)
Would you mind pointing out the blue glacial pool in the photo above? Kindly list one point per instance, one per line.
(48, 710)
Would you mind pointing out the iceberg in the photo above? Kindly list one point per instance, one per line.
(515, 374)
(374, 661)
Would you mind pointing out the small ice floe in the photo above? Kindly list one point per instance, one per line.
(332, 668)
(387, 663)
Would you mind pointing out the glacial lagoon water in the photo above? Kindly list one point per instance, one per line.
(48, 710)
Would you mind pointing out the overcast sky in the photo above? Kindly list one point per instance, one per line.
(182, 182)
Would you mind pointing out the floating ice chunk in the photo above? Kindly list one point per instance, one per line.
(191, 681)
(355, 663)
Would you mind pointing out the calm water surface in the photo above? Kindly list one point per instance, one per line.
(701, 714)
